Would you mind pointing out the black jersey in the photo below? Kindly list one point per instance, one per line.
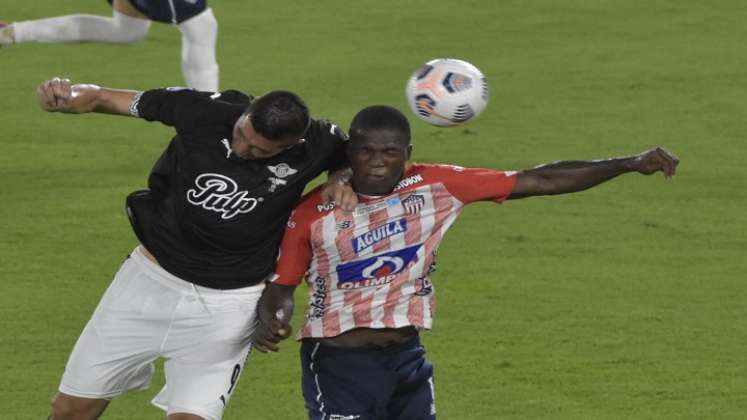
(210, 217)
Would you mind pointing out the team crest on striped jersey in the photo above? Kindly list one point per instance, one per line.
(413, 203)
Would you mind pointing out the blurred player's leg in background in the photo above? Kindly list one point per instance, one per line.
(126, 25)
(199, 36)
(6, 34)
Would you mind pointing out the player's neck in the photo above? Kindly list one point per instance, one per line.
(368, 195)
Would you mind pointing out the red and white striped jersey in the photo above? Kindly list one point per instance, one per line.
(371, 268)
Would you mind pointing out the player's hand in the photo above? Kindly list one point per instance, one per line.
(59, 95)
(274, 312)
(656, 160)
(269, 333)
(341, 194)
(338, 190)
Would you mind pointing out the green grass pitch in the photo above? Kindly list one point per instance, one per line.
(624, 302)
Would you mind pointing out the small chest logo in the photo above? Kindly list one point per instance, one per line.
(275, 183)
(345, 224)
(227, 145)
(220, 193)
(280, 171)
(413, 203)
(328, 206)
(364, 209)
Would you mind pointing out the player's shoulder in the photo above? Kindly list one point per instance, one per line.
(419, 174)
(312, 206)
(231, 96)
(323, 129)
(450, 171)
(430, 172)
(310, 198)
(232, 99)
(437, 168)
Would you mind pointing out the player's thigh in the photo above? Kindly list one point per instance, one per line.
(115, 351)
(416, 401)
(126, 8)
(207, 349)
(414, 398)
(183, 416)
(98, 367)
(345, 383)
(201, 388)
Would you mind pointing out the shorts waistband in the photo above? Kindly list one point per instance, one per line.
(410, 338)
(167, 279)
(309, 346)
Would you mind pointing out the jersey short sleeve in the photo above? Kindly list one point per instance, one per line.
(295, 248)
(475, 184)
(188, 110)
(331, 141)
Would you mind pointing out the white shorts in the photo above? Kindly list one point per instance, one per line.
(204, 335)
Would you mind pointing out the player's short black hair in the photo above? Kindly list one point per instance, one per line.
(380, 117)
(279, 115)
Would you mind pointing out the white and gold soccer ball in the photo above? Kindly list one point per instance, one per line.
(447, 92)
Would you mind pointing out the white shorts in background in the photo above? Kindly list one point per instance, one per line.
(146, 313)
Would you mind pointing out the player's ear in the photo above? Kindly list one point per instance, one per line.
(409, 151)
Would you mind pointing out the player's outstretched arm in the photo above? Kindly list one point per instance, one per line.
(571, 176)
(274, 312)
(59, 95)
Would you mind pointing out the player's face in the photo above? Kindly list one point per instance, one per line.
(378, 161)
(248, 144)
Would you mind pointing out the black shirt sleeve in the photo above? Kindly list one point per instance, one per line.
(188, 110)
(332, 142)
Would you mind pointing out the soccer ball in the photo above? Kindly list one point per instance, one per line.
(447, 92)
